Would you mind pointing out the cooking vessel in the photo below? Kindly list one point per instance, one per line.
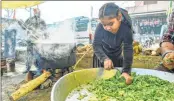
(68, 82)
(55, 55)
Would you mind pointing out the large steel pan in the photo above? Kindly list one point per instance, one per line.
(67, 83)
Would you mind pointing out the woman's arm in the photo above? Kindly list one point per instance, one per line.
(97, 44)
(127, 51)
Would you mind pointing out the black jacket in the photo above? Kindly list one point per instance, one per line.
(108, 45)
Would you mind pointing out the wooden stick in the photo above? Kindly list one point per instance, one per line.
(82, 57)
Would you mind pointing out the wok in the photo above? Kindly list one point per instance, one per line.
(55, 55)
(68, 82)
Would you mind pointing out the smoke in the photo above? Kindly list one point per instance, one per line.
(63, 34)
(21, 34)
(59, 43)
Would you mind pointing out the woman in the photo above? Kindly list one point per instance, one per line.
(110, 35)
(167, 51)
(167, 47)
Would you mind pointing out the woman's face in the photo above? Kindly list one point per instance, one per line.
(111, 24)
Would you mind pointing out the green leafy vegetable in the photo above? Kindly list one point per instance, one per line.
(143, 88)
(82, 96)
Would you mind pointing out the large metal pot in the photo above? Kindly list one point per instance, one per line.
(67, 83)
(55, 55)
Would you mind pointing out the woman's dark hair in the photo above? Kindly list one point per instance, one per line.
(109, 10)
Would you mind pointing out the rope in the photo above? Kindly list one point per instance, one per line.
(81, 58)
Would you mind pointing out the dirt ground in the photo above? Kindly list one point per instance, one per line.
(38, 95)
(11, 81)
(10, 84)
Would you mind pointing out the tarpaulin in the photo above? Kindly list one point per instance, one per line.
(19, 4)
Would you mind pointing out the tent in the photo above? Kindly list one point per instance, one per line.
(19, 4)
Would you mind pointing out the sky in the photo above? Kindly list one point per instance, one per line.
(54, 11)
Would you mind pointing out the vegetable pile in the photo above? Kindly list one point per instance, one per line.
(143, 88)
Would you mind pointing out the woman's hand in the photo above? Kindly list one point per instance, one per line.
(127, 77)
(168, 60)
(108, 64)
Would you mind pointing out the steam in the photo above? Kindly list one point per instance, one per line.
(60, 42)
(21, 34)
(63, 34)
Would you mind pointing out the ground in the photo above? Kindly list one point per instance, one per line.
(11, 81)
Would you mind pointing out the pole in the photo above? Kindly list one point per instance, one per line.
(90, 27)
(30, 11)
(91, 12)
(8, 14)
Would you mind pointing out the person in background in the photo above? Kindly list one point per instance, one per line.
(36, 28)
(167, 47)
(111, 34)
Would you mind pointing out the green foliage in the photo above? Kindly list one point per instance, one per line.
(143, 88)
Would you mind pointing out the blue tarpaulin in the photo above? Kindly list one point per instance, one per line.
(10, 43)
